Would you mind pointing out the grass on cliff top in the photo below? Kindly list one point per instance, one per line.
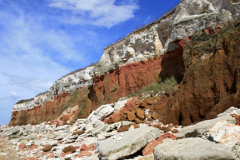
(163, 85)
(24, 101)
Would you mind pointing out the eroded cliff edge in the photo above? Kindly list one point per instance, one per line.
(145, 55)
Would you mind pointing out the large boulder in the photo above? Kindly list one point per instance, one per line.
(199, 128)
(103, 111)
(192, 148)
(126, 143)
(224, 133)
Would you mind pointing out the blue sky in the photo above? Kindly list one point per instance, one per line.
(43, 40)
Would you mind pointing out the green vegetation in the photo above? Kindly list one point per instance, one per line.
(72, 101)
(81, 111)
(163, 84)
(24, 101)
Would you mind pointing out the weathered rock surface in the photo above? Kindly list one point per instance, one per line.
(198, 129)
(224, 133)
(126, 143)
(192, 148)
(148, 149)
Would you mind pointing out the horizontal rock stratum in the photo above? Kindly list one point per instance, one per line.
(161, 49)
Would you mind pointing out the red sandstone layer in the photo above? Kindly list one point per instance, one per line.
(106, 89)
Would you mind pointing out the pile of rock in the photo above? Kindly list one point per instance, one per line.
(148, 138)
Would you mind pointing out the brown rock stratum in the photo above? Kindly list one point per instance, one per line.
(207, 65)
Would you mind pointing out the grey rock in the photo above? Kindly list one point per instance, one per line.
(127, 143)
(199, 128)
(192, 148)
(62, 127)
(52, 143)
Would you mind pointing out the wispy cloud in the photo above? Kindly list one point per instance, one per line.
(96, 12)
(11, 95)
(38, 46)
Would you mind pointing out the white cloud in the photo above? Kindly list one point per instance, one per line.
(11, 95)
(96, 12)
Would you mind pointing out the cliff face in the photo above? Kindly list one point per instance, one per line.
(211, 80)
(147, 54)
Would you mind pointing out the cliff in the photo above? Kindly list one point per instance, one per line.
(205, 61)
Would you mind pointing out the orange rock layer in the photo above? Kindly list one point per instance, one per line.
(106, 89)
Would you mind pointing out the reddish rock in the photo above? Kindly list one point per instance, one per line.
(106, 120)
(46, 153)
(140, 114)
(137, 120)
(64, 154)
(85, 153)
(114, 114)
(78, 133)
(154, 116)
(237, 118)
(78, 156)
(51, 155)
(131, 104)
(76, 147)
(123, 128)
(33, 147)
(135, 125)
(118, 118)
(83, 147)
(109, 121)
(165, 136)
(174, 131)
(69, 149)
(91, 147)
(22, 146)
(108, 88)
(148, 149)
(47, 148)
(131, 116)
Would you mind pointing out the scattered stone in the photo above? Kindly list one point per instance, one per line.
(64, 154)
(117, 118)
(52, 143)
(123, 128)
(174, 131)
(140, 114)
(131, 116)
(78, 133)
(51, 155)
(85, 153)
(47, 148)
(33, 147)
(135, 125)
(137, 120)
(69, 149)
(91, 147)
(83, 147)
(154, 116)
(22, 146)
(184, 149)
